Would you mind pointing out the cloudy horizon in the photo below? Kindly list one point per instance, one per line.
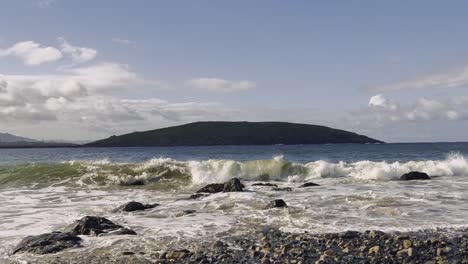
(85, 71)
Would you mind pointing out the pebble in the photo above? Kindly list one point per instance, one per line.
(274, 246)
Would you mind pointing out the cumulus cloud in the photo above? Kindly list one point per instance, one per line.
(450, 79)
(85, 97)
(384, 110)
(77, 54)
(46, 92)
(220, 85)
(32, 53)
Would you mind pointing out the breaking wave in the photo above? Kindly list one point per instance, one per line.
(165, 171)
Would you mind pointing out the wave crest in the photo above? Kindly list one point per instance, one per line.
(160, 171)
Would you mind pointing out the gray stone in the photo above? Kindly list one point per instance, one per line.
(47, 243)
(135, 206)
(278, 203)
(94, 226)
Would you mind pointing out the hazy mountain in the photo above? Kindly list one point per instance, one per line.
(234, 133)
(9, 138)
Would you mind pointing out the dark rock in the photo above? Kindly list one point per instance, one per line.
(414, 175)
(128, 253)
(197, 196)
(278, 203)
(308, 184)
(285, 189)
(265, 184)
(233, 185)
(212, 188)
(133, 183)
(135, 206)
(95, 226)
(47, 243)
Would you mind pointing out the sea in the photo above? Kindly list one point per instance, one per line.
(45, 190)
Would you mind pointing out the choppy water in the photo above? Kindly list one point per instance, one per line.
(46, 189)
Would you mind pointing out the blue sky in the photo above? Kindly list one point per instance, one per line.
(396, 71)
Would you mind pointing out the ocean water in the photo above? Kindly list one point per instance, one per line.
(42, 190)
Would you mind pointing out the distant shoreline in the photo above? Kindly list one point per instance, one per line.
(37, 145)
(177, 146)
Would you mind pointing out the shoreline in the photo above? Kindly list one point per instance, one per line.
(271, 245)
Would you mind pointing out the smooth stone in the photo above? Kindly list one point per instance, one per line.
(135, 206)
(374, 250)
(407, 244)
(47, 243)
(414, 175)
(308, 184)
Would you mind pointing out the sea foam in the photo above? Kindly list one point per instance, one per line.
(197, 172)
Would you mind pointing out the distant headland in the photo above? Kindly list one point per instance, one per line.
(234, 133)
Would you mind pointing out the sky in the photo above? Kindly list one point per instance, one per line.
(83, 70)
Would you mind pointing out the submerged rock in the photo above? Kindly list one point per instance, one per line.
(265, 184)
(197, 196)
(96, 226)
(415, 175)
(308, 184)
(135, 206)
(133, 183)
(285, 189)
(47, 243)
(278, 203)
(233, 185)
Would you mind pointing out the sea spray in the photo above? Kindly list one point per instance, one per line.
(196, 172)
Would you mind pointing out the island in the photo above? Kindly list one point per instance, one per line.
(215, 133)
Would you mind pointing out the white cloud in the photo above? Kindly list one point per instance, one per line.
(18, 92)
(124, 41)
(383, 110)
(32, 53)
(85, 98)
(77, 54)
(450, 79)
(379, 101)
(220, 85)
